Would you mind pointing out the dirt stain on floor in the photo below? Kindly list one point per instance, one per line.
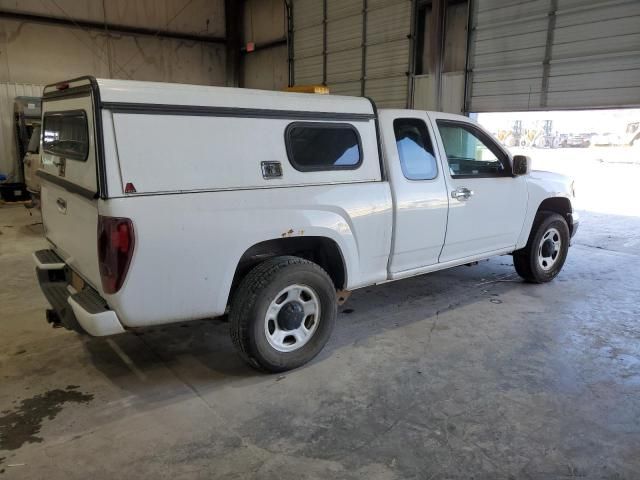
(23, 423)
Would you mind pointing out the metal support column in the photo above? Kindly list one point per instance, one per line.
(546, 63)
(363, 71)
(233, 20)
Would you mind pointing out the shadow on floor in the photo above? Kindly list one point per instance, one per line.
(206, 344)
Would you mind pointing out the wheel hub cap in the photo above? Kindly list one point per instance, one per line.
(292, 318)
(549, 249)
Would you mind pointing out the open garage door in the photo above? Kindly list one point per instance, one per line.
(553, 54)
(329, 48)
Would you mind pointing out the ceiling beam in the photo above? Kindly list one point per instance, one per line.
(109, 27)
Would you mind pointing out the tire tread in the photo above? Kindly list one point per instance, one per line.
(247, 294)
(523, 259)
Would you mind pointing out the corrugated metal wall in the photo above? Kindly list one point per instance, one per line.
(344, 46)
(265, 22)
(387, 51)
(308, 25)
(554, 54)
(341, 24)
(8, 93)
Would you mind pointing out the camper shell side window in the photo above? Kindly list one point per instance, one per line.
(315, 146)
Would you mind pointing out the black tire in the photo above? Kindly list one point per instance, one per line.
(254, 295)
(526, 260)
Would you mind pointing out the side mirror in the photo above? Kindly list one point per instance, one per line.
(521, 165)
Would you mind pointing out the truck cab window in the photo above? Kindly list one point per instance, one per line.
(470, 153)
(415, 149)
(323, 146)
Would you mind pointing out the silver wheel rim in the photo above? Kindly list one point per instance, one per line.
(292, 318)
(549, 249)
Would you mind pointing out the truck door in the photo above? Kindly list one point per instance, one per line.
(418, 188)
(487, 203)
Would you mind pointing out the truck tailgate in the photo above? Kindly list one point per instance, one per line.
(69, 178)
(71, 225)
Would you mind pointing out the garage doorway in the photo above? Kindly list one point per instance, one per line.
(599, 149)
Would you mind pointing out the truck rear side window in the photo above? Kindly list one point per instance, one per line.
(66, 134)
(415, 149)
(323, 146)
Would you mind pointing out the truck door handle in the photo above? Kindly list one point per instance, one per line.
(62, 205)
(462, 194)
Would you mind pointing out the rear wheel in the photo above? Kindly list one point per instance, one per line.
(282, 313)
(546, 251)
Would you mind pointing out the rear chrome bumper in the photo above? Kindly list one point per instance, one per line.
(84, 311)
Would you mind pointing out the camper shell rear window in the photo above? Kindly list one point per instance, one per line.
(315, 146)
(66, 134)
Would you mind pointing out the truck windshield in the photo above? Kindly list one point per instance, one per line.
(66, 134)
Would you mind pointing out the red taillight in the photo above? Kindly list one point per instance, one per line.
(115, 249)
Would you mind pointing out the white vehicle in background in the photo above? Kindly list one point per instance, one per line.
(26, 119)
(632, 134)
(630, 137)
(31, 163)
(165, 203)
(607, 139)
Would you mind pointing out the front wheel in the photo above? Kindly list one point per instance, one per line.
(282, 313)
(544, 255)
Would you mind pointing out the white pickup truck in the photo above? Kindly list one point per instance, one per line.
(165, 203)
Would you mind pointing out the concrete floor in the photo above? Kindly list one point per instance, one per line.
(467, 373)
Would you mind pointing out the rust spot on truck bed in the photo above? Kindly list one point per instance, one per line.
(291, 232)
